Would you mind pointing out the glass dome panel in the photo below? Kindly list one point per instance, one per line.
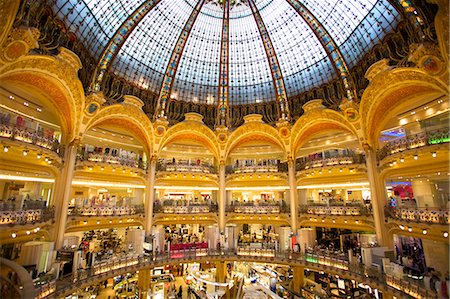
(144, 57)
(95, 21)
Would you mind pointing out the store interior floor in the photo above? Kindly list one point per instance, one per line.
(109, 293)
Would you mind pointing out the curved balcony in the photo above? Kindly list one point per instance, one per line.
(270, 168)
(31, 213)
(120, 161)
(186, 167)
(251, 208)
(339, 160)
(330, 264)
(420, 215)
(172, 208)
(30, 136)
(106, 211)
(336, 210)
(413, 142)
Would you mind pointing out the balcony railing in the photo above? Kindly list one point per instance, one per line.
(185, 209)
(414, 141)
(250, 208)
(25, 216)
(272, 168)
(319, 161)
(341, 266)
(113, 160)
(186, 167)
(106, 211)
(424, 215)
(30, 136)
(340, 210)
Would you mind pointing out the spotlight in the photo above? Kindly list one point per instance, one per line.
(410, 229)
(27, 232)
(445, 234)
(38, 156)
(98, 222)
(5, 148)
(13, 235)
(402, 160)
(416, 157)
(401, 227)
(25, 152)
(433, 154)
(424, 232)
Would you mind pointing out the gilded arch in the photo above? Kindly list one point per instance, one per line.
(252, 131)
(57, 79)
(194, 130)
(315, 121)
(127, 117)
(390, 91)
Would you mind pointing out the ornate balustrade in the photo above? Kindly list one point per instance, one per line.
(350, 210)
(425, 215)
(26, 216)
(414, 141)
(185, 167)
(113, 160)
(29, 136)
(189, 209)
(272, 168)
(260, 209)
(326, 263)
(106, 211)
(319, 161)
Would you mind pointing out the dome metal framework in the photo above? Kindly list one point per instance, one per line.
(228, 53)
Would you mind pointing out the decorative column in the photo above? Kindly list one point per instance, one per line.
(63, 185)
(221, 272)
(293, 193)
(150, 196)
(222, 197)
(298, 279)
(144, 278)
(378, 196)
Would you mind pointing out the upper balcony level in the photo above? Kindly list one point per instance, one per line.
(12, 213)
(106, 210)
(28, 136)
(186, 166)
(414, 142)
(169, 206)
(107, 157)
(335, 209)
(330, 159)
(256, 166)
(270, 207)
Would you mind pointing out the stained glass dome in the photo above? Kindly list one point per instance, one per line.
(303, 47)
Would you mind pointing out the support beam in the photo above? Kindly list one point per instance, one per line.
(277, 77)
(293, 194)
(117, 41)
(378, 197)
(63, 185)
(150, 196)
(222, 199)
(330, 46)
(223, 115)
(174, 61)
(298, 279)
